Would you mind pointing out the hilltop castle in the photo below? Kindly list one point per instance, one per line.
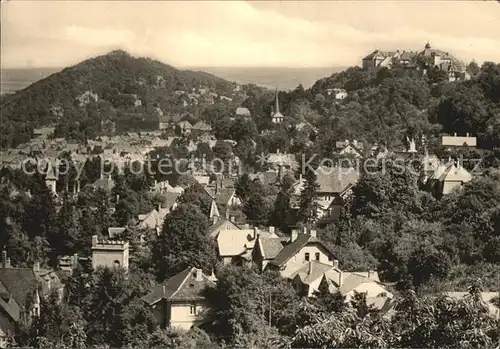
(437, 58)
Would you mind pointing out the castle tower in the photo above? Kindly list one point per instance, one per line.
(277, 117)
(109, 253)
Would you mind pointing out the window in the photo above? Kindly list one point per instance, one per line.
(316, 256)
(306, 257)
(192, 310)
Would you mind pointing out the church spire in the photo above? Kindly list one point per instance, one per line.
(276, 104)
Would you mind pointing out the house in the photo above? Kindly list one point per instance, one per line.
(334, 186)
(282, 160)
(447, 177)
(379, 59)
(224, 197)
(276, 116)
(180, 302)
(152, 220)
(346, 147)
(21, 290)
(106, 184)
(338, 93)
(311, 275)
(185, 127)
(109, 253)
(43, 132)
(243, 112)
(201, 127)
(302, 247)
(266, 248)
(235, 246)
(458, 141)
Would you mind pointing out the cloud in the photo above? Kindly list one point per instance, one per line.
(97, 37)
(237, 33)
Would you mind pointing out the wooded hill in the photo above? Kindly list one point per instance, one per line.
(126, 88)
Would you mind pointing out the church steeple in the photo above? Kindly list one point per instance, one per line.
(276, 103)
(427, 46)
(276, 116)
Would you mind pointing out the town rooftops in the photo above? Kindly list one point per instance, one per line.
(189, 284)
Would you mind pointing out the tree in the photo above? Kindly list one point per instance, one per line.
(196, 195)
(243, 187)
(308, 206)
(255, 208)
(328, 301)
(183, 242)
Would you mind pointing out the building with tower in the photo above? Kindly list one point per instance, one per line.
(109, 253)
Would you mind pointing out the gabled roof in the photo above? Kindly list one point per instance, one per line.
(234, 242)
(294, 247)
(222, 196)
(202, 126)
(182, 286)
(336, 179)
(214, 211)
(270, 247)
(215, 228)
(311, 271)
(456, 173)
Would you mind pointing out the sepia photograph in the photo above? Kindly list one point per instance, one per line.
(250, 174)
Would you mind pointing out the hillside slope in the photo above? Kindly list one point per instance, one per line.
(111, 87)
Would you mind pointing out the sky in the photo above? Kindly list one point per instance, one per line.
(238, 33)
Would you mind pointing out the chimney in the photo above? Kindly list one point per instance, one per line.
(304, 230)
(228, 216)
(371, 274)
(232, 218)
(294, 236)
(312, 233)
(271, 230)
(335, 263)
(164, 290)
(255, 232)
(277, 151)
(198, 274)
(36, 266)
(467, 134)
(94, 240)
(455, 134)
(340, 278)
(246, 226)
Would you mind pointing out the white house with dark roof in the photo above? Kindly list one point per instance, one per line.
(347, 147)
(302, 247)
(180, 302)
(241, 111)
